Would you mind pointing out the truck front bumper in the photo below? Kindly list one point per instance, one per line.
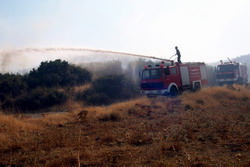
(155, 92)
(227, 80)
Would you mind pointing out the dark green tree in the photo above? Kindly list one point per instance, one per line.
(109, 85)
(11, 85)
(57, 73)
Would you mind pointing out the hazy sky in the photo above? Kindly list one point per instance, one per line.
(204, 30)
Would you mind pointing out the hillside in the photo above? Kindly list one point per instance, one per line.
(207, 128)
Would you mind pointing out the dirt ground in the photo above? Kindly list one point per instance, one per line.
(207, 128)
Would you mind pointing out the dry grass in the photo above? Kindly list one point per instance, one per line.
(216, 96)
(13, 128)
(120, 108)
(10, 123)
(214, 130)
(54, 118)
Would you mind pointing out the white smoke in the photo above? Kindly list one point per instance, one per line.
(23, 60)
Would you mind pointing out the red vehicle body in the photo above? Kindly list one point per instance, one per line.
(170, 79)
(231, 72)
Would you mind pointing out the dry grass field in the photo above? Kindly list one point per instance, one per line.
(207, 128)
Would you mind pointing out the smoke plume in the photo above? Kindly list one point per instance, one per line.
(23, 60)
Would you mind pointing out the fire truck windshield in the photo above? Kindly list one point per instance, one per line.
(226, 68)
(151, 74)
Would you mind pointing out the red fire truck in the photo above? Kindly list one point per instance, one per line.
(231, 72)
(170, 79)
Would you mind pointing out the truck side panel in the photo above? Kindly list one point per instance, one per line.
(243, 74)
(185, 76)
(194, 72)
(203, 72)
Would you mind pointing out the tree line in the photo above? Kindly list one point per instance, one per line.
(39, 88)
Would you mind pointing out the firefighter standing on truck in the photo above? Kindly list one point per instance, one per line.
(178, 54)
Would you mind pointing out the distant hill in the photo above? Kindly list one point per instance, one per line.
(243, 59)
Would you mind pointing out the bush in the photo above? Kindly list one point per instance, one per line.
(11, 86)
(36, 99)
(57, 73)
(108, 89)
(110, 85)
(98, 99)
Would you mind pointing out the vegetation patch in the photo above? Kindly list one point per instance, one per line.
(40, 88)
(108, 89)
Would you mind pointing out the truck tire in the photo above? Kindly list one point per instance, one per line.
(173, 91)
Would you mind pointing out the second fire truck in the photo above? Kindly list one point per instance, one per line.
(231, 72)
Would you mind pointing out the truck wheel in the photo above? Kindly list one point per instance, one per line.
(173, 91)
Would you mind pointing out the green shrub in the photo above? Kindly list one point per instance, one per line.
(83, 95)
(57, 73)
(115, 87)
(108, 89)
(36, 99)
(110, 85)
(11, 85)
(98, 99)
